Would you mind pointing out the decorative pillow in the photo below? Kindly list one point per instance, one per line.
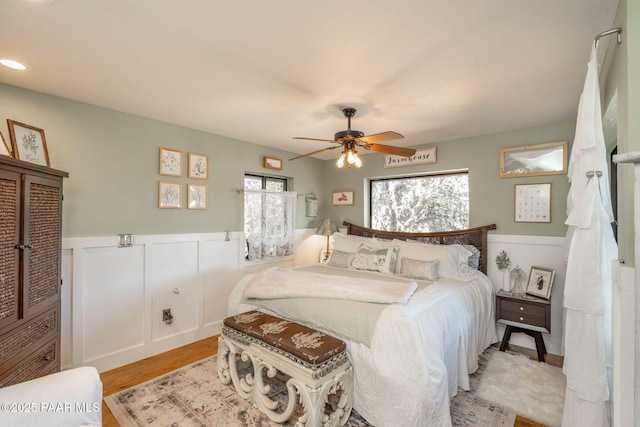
(375, 259)
(474, 259)
(347, 243)
(453, 259)
(341, 259)
(417, 269)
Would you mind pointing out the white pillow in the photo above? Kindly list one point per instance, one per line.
(417, 269)
(340, 259)
(375, 259)
(348, 243)
(453, 259)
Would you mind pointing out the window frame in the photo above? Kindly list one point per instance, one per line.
(267, 178)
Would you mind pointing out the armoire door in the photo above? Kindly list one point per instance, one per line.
(41, 249)
(9, 255)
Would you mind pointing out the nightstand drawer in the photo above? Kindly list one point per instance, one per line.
(527, 318)
(522, 307)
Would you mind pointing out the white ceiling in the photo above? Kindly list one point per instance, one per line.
(267, 71)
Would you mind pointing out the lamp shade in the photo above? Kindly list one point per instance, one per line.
(327, 227)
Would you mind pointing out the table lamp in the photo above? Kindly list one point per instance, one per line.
(327, 228)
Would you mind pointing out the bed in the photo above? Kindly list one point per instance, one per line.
(415, 309)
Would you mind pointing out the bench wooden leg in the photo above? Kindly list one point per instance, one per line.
(314, 392)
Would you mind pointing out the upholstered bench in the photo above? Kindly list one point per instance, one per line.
(316, 365)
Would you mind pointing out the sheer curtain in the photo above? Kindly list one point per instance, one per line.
(269, 223)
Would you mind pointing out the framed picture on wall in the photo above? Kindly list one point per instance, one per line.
(170, 162)
(196, 196)
(342, 198)
(198, 166)
(28, 143)
(271, 163)
(532, 160)
(533, 202)
(169, 195)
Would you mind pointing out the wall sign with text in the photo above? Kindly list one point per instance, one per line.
(422, 156)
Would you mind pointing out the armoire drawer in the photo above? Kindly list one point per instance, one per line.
(28, 336)
(43, 361)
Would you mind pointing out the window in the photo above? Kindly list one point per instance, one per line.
(420, 203)
(269, 217)
(269, 183)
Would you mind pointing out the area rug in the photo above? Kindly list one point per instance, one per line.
(532, 389)
(194, 396)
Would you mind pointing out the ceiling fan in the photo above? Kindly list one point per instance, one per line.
(349, 140)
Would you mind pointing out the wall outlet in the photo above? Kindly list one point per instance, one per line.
(167, 317)
(125, 240)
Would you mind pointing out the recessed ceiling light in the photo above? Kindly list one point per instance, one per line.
(15, 65)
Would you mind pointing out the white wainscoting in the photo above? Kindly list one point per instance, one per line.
(524, 252)
(113, 298)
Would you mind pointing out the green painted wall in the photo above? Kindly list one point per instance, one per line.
(491, 197)
(112, 159)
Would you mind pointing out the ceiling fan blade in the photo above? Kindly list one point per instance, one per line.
(387, 149)
(316, 139)
(316, 152)
(381, 137)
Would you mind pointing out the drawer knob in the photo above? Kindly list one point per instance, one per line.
(521, 308)
(521, 318)
(47, 358)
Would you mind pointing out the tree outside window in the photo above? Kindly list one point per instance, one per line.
(421, 204)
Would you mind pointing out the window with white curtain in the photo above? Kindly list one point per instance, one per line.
(269, 217)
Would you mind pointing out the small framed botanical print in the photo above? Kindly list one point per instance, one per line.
(28, 143)
(196, 196)
(272, 163)
(198, 166)
(170, 162)
(169, 195)
(342, 198)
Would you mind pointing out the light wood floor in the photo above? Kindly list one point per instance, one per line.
(144, 370)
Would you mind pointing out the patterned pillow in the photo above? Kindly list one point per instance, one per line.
(375, 259)
(417, 269)
(474, 258)
(341, 259)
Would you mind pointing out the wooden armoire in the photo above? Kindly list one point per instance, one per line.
(30, 262)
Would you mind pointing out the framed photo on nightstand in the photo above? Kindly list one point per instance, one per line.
(540, 282)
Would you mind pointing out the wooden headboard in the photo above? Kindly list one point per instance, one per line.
(471, 236)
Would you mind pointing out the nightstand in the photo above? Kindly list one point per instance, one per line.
(526, 314)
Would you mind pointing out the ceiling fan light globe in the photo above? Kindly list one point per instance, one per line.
(351, 159)
(358, 162)
(340, 162)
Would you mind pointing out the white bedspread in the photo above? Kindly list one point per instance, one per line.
(420, 352)
(277, 282)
